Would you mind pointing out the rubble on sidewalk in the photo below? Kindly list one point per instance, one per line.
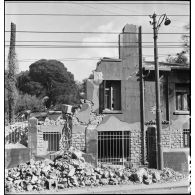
(71, 170)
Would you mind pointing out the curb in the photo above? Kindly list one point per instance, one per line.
(117, 188)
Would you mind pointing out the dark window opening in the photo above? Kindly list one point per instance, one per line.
(110, 95)
(114, 147)
(52, 139)
(183, 98)
(186, 138)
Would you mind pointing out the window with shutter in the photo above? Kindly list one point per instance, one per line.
(110, 95)
(182, 93)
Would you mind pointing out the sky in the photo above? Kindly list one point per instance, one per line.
(82, 61)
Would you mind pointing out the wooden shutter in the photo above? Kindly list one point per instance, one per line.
(101, 96)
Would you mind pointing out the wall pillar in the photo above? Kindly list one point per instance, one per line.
(91, 141)
(35, 139)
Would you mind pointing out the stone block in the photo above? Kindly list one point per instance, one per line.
(84, 114)
(177, 159)
(78, 129)
(16, 156)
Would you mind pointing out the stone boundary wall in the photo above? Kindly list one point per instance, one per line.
(136, 147)
(172, 138)
(35, 138)
(78, 141)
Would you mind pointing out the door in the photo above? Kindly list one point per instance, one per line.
(151, 147)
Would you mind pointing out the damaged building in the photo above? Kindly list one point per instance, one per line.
(116, 123)
(123, 91)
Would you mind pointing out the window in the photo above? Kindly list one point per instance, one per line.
(182, 97)
(110, 95)
(186, 138)
(52, 140)
(114, 147)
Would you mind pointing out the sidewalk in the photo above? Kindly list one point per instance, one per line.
(116, 188)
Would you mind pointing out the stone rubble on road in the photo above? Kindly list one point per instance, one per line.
(71, 170)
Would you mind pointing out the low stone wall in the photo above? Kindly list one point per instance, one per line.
(16, 155)
(177, 159)
(172, 138)
(78, 141)
(136, 156)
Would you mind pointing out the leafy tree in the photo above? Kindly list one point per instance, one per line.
(181, 57)
(28, 102)
(49, 78)
(186, 39)
(82, 88)
(11, 75)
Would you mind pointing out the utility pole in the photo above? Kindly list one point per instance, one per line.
(156, 26)
(142, 115)
(12, 92)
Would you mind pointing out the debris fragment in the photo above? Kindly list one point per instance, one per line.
(70, 170)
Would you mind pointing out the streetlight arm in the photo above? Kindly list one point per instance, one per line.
(160, 22)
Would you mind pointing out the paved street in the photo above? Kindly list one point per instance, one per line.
(179, 190)
(179, 187)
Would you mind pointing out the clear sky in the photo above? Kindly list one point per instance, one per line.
(81, 68)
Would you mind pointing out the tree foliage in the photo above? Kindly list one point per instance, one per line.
(181, 57)
(11, 75)
(186, 39)
(49, 78)
(28, 102)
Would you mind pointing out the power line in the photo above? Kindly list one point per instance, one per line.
(85, 32)
(92, 7)
(92, 58)
(100, 3)
(93, 46)
(51, 14)
(93, 42)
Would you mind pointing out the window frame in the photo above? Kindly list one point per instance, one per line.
(182, 90)
(104, 105)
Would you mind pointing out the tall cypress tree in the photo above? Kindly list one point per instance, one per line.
(12, 67)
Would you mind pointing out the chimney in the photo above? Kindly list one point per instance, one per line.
(128, 41)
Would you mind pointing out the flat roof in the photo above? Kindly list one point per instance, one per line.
(164, 66)
(111, 59)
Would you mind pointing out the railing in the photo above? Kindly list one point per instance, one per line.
(17, 132)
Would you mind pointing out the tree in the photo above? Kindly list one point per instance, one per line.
(50, 78)
(82, 86)
(27, 85)
(186, 39)
(11, 76)
(28, 102)
(181, 57)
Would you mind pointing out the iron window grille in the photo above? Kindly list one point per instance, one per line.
(114, 147)
(186, 138)
(52, 139)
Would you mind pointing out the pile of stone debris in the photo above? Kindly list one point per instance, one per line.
(71, 170)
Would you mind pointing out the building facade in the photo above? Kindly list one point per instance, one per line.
(123, 90)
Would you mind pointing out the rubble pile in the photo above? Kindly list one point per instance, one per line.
(95, 119)
(71, 170)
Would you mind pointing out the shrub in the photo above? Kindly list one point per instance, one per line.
(28, 102)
